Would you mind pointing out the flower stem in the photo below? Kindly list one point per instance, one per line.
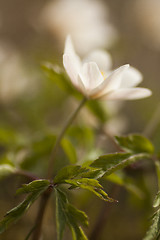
(46, 195)
(58, 141)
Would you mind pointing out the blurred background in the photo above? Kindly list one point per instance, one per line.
(33, 106)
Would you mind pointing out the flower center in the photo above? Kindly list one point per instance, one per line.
(103, 74)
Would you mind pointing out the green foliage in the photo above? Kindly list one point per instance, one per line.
(61, 202)
(156, 202)
(135, 144)
(91, 185)
(35, 188)
(78, 216)
(37, 185)
(116, 161)
(68, 172)
(82, 182)
(154, 231)
(85, 178)
(58, 76)
(69, 150)
(77, 231)
(79, 177)
(110, 160)
(92, 173)
(157, 165)
(68, 214)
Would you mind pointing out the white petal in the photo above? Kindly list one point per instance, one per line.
(131, 78)
(111, 83)
(69, 48)
(71, 61)
(81, 87)
(102, 58)
(128, 94)
(91, 75)
(72, 67)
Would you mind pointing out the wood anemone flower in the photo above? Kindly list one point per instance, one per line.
(94, 79)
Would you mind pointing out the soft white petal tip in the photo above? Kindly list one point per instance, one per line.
(126, 65)
(148, 92)
(68, 37)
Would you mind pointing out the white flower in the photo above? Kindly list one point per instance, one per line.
(86, 20)
(93, 78)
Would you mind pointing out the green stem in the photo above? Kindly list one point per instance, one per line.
(58, 141)
(46, 195)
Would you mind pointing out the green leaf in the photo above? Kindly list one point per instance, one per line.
(58, 76)
(83, 181)
(67, 173)
(90, 185)
(156, 202)
(69, 150)
(36, 185)
(78, 215)
(110, 160)
(157, 165)
(16, 213)
(68, 214)
(154, 231)
(77, 232)
(103, 195)
(135, 144)
(61, 220)
(116, 161)
(6, 170)
(92, 173)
